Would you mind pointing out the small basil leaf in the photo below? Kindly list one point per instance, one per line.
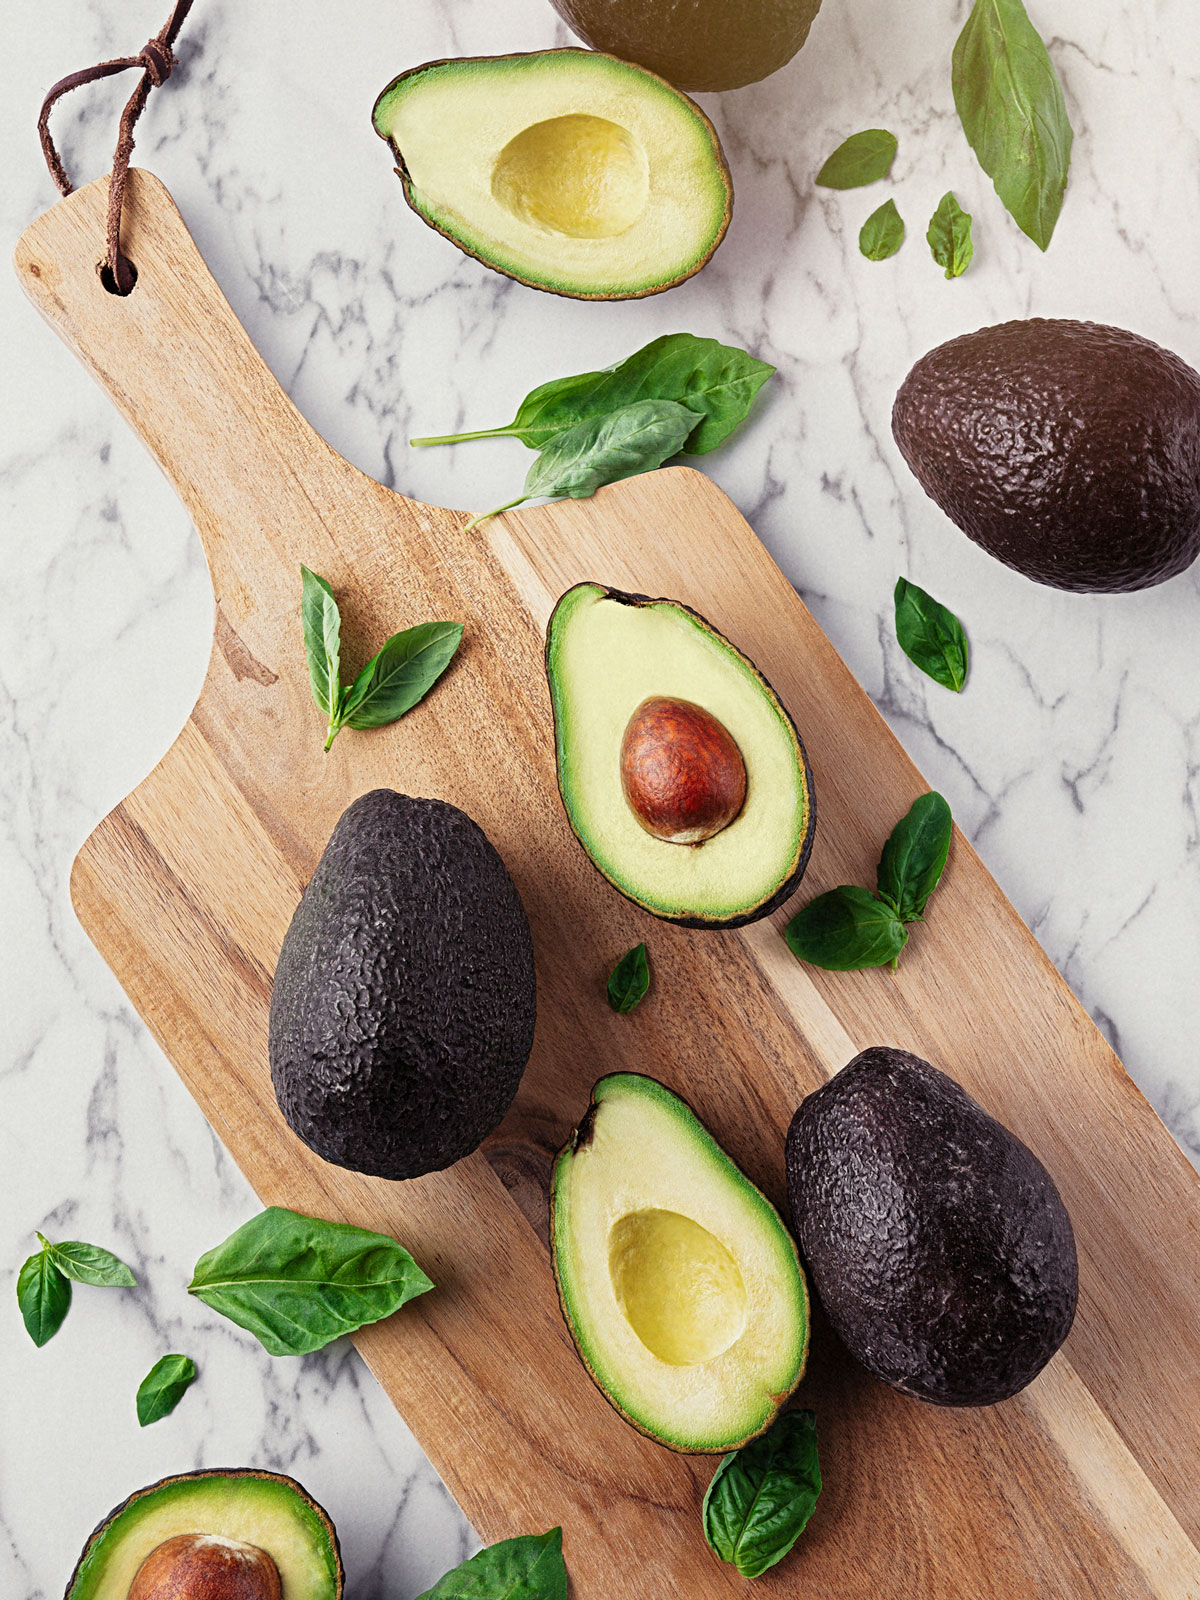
(862, 158)
(882, 234)
(915, 855)
(761, 1496)
(530, 1567)
(603, 449)
(322, 631)
(163, 1387)
(930, 635)
(949, 236)
(1011, 107)
(296, 1282)
(43, 1295)
(89, 1263)
(845, 930)
(402, 674)
(629, 981)
(716, 381)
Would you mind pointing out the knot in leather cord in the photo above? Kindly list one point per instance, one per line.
(159, 61)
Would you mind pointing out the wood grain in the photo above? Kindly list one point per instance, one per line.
(1086, 1485)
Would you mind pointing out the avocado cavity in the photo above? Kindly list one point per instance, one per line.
(678, 1285)
(582, 176)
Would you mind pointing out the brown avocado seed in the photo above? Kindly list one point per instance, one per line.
(206, 1566)
(682, 773)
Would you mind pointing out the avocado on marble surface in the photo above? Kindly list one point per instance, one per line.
(230, 1533)
(1068, 450)
(404, 1001)
(936, 1241)
(680, 771)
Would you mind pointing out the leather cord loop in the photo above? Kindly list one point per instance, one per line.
(156, 62)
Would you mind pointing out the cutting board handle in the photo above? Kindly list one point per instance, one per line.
(179, 365)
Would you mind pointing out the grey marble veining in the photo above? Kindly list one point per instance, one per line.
(1071, 761)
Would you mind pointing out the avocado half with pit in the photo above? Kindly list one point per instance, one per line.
(681, 773)
(679, 1283)
(229, 1530)
(568, 170)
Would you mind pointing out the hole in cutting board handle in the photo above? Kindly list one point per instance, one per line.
(110, 283)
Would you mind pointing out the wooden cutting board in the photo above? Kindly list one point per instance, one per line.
(1086, 1485)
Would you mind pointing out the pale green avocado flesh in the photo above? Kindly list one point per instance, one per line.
(679, 1282)
(264, 1509)
(569, 170)
(606, 653)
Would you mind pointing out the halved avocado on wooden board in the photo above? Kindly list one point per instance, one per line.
(680, 1284)
(227, 1507)
(566, 169)
(607, 654)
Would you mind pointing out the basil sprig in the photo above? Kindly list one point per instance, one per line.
(849, 928)
(949, 236)
(862, 158)
(716, 381)
(761, 1496)
(530, 1567)
(43, 1289)
(163, 1387)
(629, 980)
(1010, 103)
(930, 635)
(882, 234)
(390, 684)
(296, 1282)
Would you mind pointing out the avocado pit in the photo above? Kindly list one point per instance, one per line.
(682, 773)
(206, 1566)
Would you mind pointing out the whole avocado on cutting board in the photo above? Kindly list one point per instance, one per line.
(1086, 1483)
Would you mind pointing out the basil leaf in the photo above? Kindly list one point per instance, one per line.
(949, 236)
(915, 855)
(845, 930)
(530, 1567)
(716, 381)
(761, 1496)
(603, 449)
(1011, 106)
(322, 644)
(629, 981)
(930, 635)
(296, 1282)
(862, 158)
(163, 1387)
(402, 674)
(89, 1263)
(43, 1295)
(882, 234)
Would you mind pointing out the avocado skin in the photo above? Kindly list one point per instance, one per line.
(792, 882)
(215, 1472)
(1069, 450)
(937, 1241)
(403, 1009)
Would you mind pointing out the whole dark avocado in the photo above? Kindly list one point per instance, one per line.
(936, 1240)
(1068, 450)
(404, 1001)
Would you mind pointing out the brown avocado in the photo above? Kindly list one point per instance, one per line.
(936, 1241)
(1068, 450)
(695, 44)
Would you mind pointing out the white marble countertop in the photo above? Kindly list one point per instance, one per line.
(1071, 761)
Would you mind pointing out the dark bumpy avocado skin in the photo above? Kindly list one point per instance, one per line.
(937, 1241)
(1068, 450)
(403, 1009)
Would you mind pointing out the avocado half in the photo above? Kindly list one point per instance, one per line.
(680, 1285)
(608, 652)
(937, 1242)
(404, 1001)
(568, 170)
(1068, 450)
(267, 1510)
